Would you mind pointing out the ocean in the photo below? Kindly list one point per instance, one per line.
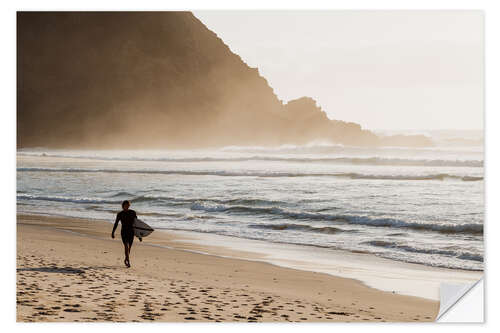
(417, 205)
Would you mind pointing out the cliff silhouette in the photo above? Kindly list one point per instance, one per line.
(154, 79)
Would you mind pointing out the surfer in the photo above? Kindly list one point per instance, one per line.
(127, 217)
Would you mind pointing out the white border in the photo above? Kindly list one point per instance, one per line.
(8, 62)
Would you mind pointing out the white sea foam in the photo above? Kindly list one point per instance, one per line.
(222, 173)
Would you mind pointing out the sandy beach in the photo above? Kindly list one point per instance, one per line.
(71, 270)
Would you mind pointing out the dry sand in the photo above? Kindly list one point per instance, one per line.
(71, 270)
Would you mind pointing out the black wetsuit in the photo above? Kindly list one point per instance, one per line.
(127, 218)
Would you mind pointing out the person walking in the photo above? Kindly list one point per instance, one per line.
(127, 217)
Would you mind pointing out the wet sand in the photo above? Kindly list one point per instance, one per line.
(71, 270)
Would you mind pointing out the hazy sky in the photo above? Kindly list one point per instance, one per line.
(381, 69)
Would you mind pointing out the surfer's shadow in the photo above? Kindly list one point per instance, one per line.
(63, 270)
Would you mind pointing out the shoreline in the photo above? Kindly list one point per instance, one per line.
(410, 279)
(390, 275)
(69, 264)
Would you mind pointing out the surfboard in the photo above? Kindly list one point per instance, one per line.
(141, 229)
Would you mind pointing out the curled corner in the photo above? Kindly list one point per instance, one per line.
(451, 293)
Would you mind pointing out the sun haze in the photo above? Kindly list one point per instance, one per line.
(381, 69)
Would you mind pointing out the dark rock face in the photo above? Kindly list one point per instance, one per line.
(151, 79)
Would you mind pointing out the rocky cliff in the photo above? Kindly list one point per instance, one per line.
(153, 79)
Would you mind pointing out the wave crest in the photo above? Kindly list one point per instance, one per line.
(222, 173)
(300, 227)
(66, 199)
(413, 249)
(469, 228)
(277, 158)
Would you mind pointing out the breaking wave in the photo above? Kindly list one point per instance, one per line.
(255, 207)
(468, 228)
(66, 199)
(299, 227)
(351, 175)
(408, 248)
(270, 158)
